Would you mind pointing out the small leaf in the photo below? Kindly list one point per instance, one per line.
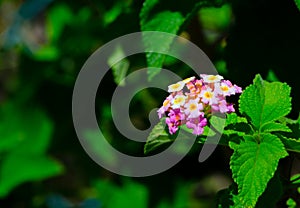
(118, 65)
(264, 102)
(253, 164)
(157, 137)
(290, 144)
(20, 168)
(236, 125)
(291, 203)
(233, 118)
(154, 17)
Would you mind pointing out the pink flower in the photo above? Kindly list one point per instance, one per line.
(165, 107)
(211, 78)
(208, 96)
(221, 107)
(237, 89)
(197, 125)
(192, 108)
(225, 88)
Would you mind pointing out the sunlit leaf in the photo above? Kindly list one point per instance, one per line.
(253, 164)
(264, 102)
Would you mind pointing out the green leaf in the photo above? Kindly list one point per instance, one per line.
(236, 125)
(157, 137)
(155, 17)
(291, 203)
(290, 144)
(112, 195)
(226, 197)
(270, 197)
(166, 21)
(215, 19)
(264, 102)
(20, 168)
(118, 65)
(233, 118)
(37, 130)
(253, 164)
(112, 14)
(57, 18)
(272, 126)
(24, 132)
(297, 2)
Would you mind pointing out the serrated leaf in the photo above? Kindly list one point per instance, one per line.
(272, 126)
(20, 168)
(226, 197)
(236, 125)
(253, 164)
(263, 102)
(270, 197)
(157, 137)
(233, 118)
(290, 144)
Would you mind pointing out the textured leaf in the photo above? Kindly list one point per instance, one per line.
(253, 164)
(264, 102)
(272, 126)
(270, 197)
(20, 168)
(236, 125)
(290, 144)
(226, 197)
(233, 118)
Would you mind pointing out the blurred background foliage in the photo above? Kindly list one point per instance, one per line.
(44, 44)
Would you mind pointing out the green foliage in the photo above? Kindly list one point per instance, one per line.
(154, 17)
(253, 164)
(20, 168)
(255, 159)
(270, 197)
(158, 136)
(297, 2)
(265, 102)
(47, 51)
(215, 18)
(25, 137)
(259, 139)
(129, 194)
(119, 66)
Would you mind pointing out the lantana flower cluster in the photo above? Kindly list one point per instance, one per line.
(192, 101)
